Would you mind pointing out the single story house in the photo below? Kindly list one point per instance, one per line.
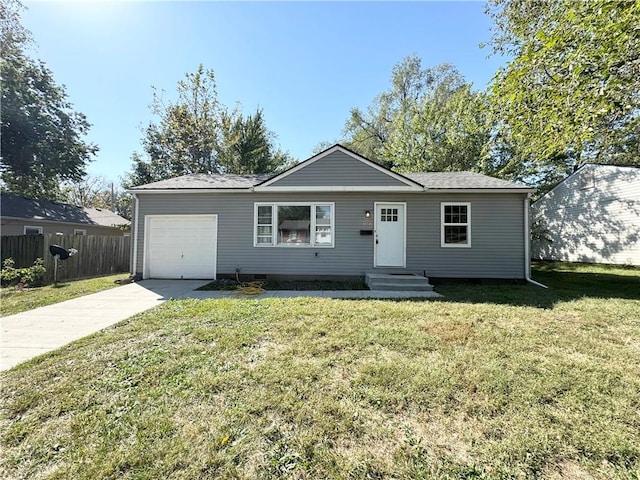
(592, 216)
(335, 214)
(27, 216)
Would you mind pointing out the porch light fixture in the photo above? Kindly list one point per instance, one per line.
(367, 214)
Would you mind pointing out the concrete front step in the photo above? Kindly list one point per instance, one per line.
(400, 287)
(404, 282)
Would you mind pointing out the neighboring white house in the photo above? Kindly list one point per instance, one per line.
(592, 216)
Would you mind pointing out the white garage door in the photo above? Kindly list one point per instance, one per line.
(181, 246)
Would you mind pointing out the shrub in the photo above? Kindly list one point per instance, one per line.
(9, 275)
(28, 276)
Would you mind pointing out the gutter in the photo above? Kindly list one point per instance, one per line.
(135, 235)
(527, 239)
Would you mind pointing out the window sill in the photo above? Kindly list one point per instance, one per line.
(293, 246)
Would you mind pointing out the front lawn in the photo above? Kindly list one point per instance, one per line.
(15, 300)
(494, 381)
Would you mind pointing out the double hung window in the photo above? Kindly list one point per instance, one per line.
(294, 224)
(456, 224)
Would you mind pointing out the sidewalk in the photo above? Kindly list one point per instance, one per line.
(29, 334)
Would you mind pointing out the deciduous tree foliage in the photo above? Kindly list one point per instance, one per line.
(571, 93)
(97, 192)
(430, 120)
(42, 136)
(197, 134)
(247, 146)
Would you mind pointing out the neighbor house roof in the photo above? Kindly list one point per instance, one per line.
(295, 225)
(17, 206)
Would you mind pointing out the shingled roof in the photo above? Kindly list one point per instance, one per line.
(429, 180)
(461, 180)
(17, 206)
(204, 181)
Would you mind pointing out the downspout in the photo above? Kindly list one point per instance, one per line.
(527, 239)
(135, 236)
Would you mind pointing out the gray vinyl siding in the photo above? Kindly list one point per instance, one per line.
(337, 169)
(497, 234)
(593, 216)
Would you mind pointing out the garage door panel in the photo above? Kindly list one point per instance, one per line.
(182, 246)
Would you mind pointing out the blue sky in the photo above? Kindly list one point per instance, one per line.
(306, 64)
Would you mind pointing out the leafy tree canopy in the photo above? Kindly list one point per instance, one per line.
(42, 136)
(430, 119)
(196, 134)
(571, 93)
(97, 192)
(247, 146)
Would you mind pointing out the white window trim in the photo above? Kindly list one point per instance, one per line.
(468, 225)
(39, 228)
(256, 225)
(79, 231)
(274, 218)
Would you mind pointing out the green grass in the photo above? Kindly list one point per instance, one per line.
(495, 381)
(15, 300)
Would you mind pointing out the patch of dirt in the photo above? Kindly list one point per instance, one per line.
(258, 351)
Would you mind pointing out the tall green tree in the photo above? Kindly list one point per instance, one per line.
(368, 132)
(186, 136)
(447, 131)
(571, 93)
(197, 134)
(247, 145)
(42, 136)
(430, 119)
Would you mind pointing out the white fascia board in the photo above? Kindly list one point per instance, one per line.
(340, 188)
(338, 148)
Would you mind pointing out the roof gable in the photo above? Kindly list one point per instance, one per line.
(338, 169)
(603, 174)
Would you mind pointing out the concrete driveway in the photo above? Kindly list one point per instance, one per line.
(29, 334)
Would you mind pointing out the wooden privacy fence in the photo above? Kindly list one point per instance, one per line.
(97, 254)
(24, 249)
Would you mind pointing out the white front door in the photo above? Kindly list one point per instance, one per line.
(390, 235)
